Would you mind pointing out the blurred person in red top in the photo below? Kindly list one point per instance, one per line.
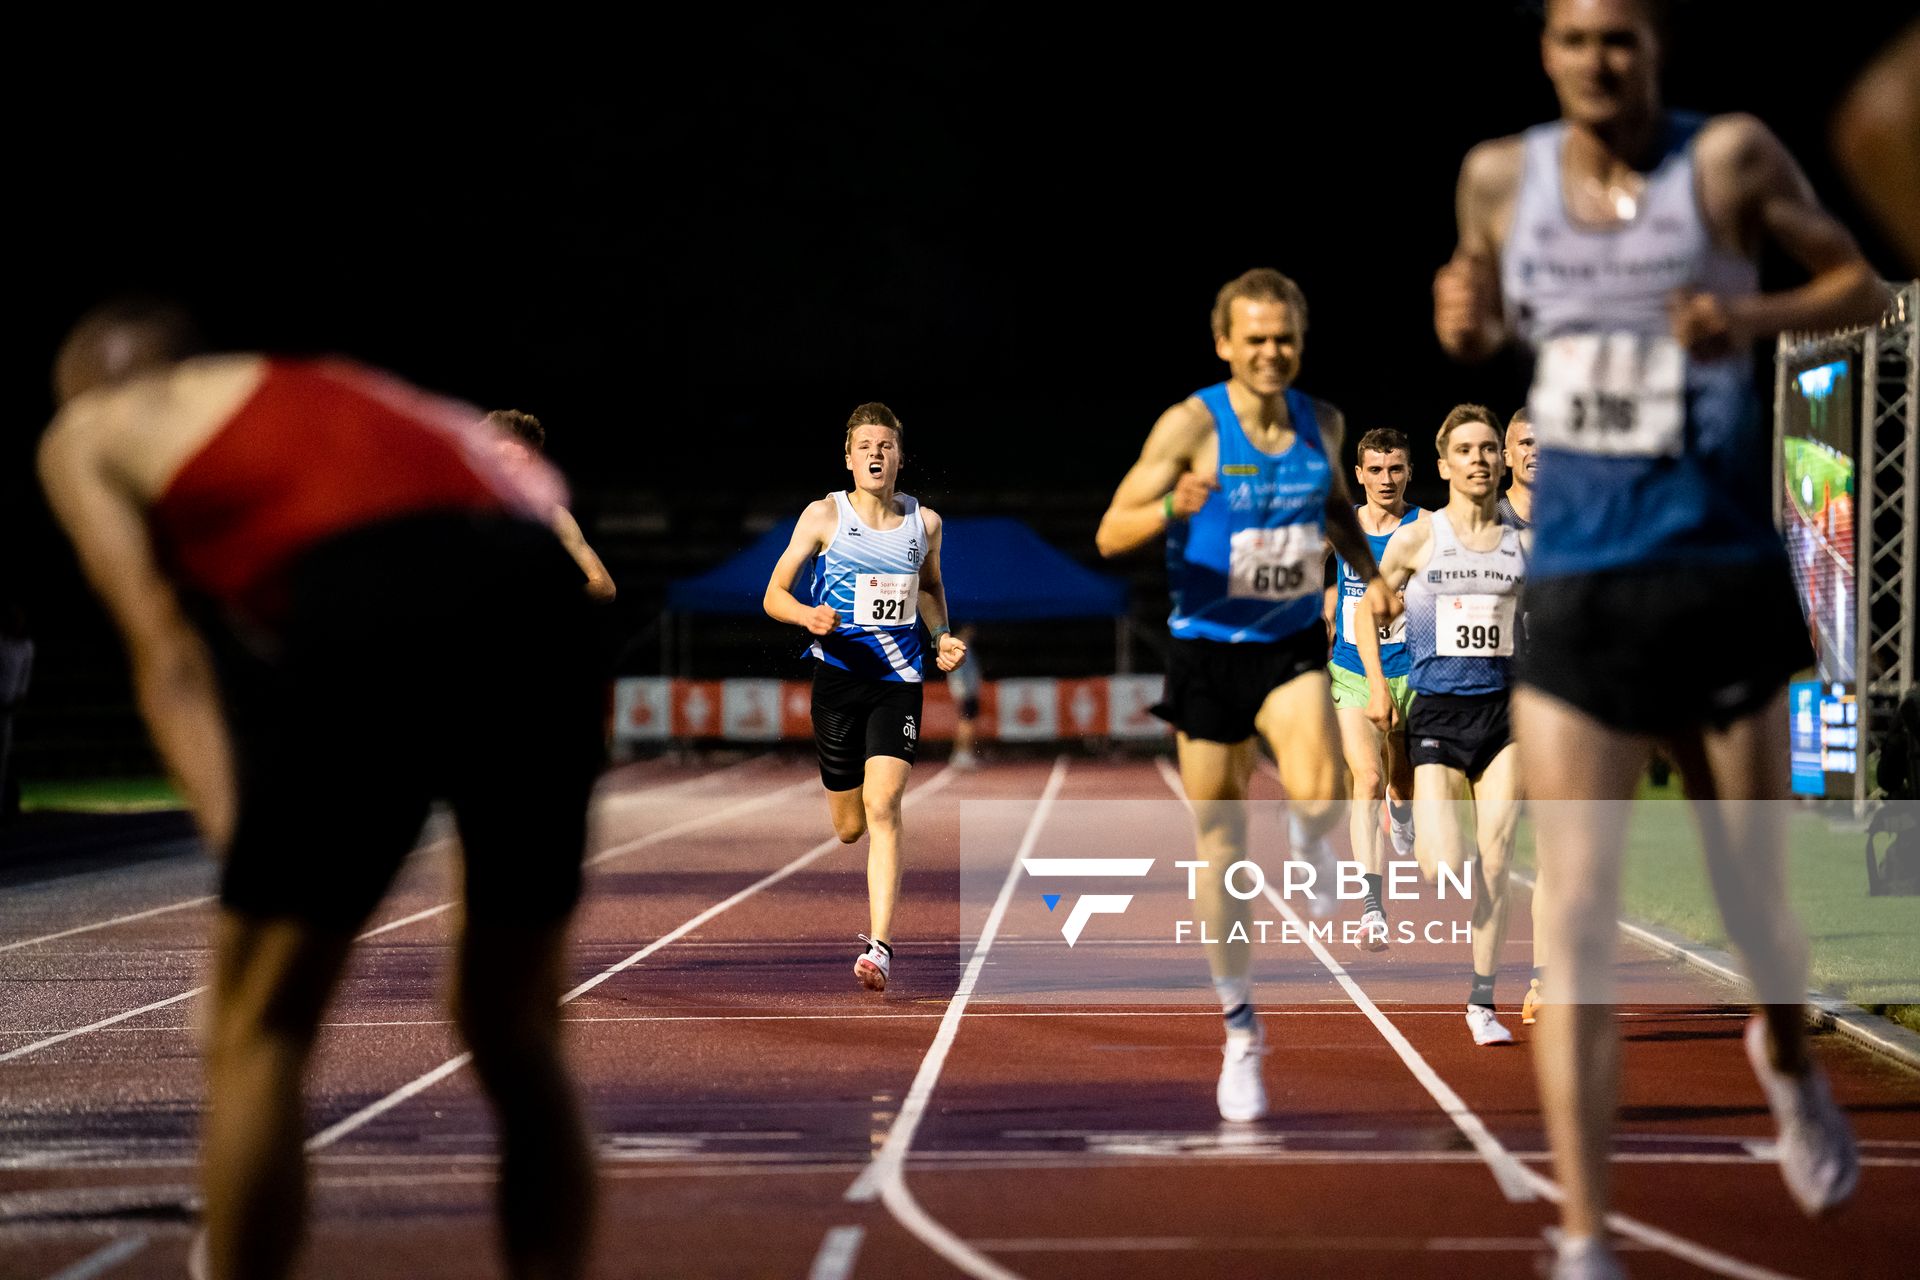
(339, 606)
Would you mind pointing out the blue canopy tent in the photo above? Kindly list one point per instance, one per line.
(996, 569)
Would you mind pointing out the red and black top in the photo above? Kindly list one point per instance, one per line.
(320, 448)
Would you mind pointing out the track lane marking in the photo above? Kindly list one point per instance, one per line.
(619, 850)
(1506, 1169)
(621, 797)
(884, 1177)
(63, 1036)
(838, 1252)
(102, 1260)
(334, 1132)
(104, 924)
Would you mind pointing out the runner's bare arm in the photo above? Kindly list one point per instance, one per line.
(567, 529)
(1405, 549)
(1876, 136)
(1467, 316)
(1753, 191)
(1343, 522)
(1138, 512)
(1344, 533)
(1405, 555)
(173, 676)
(811, 532)
(949, 650)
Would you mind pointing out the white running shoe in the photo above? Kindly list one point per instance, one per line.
(1373, 930)
(1486, 1027)
(1817, 1155)
(1401, 833)
(1242, 1094)
(1586, 1258)
(874, 964)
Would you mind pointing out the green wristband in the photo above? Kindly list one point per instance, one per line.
(1166, 505)
(942, 630)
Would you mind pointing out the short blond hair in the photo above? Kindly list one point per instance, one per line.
(1262, 284)
(874, 414)
(1460, 415)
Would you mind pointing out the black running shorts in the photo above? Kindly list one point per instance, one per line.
(1463, 731)
(1215, 690)
(437, 657)
(855, 719)
(1657, 650)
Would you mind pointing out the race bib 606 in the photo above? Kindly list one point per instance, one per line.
(1473, 626)
(1276, 564)
(1620, 395)
(886, 600)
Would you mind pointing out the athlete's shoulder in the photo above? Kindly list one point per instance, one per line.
(822, 514)
(1492, 169)
(1191, 414)
(143, 428)
(931, 519)
(1736, 142)
(1181, 429)
(1412, 536)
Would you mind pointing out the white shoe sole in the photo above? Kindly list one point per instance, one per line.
(871, 975)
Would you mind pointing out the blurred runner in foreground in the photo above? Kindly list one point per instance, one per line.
(340, 606)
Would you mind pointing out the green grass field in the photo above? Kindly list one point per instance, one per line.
(1866, 950)
(100, 795)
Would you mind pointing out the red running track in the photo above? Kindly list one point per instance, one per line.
(743, 1085)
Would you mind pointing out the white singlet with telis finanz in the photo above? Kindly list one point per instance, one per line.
(871, 578)
(1462, 610)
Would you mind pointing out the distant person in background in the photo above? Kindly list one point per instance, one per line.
(525, 439)
(339, 605)
(964, 684)
(1523, 462)
(1877, 136)
(1373, 717)
(16, 668)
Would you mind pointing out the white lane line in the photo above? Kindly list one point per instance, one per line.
(333, 1133)
(52, 1040)
(706, 820)
(885, 1176)
(838, 1252)
(404, 921)
(104, 924)
(102, 1260)
(622, 797)
(893, 1152)
(1506, 1169)
(619, 850)
(939, 781)
(374, 1110)
(1345, 1009)
(654, 790)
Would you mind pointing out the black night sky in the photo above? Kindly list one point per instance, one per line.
(692, 247)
